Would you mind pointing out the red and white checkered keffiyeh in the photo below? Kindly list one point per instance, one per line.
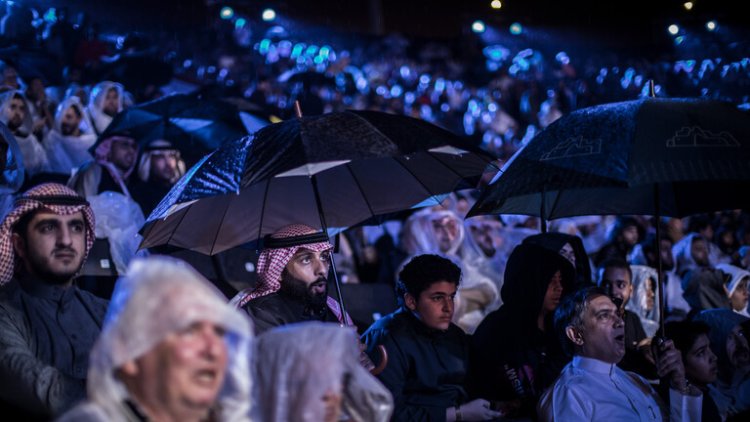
(271, 264)
(32, 200)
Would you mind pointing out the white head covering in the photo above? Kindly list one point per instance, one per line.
(160, 296)
(96, 100)
(683, 255)
(297, 364)
(159, 147)
(68, 152)
(637, 303)
(737, 273)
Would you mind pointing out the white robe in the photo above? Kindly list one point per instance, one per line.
(592, 390)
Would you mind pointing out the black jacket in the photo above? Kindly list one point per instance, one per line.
(280, 309)
(426, 368)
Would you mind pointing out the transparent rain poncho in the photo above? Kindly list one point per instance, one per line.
(160, 296)
(297, 364)
(646, 308)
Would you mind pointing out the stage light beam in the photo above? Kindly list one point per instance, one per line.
(478, 27)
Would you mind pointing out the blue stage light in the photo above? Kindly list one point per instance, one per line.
(226, 13)
(516, 28)
(478, 27)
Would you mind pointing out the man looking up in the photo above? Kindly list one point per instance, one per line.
(592, 387)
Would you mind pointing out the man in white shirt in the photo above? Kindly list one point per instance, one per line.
(592, 387)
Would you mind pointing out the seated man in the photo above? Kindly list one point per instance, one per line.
(592, 387)
(171, 350)
(47, 324)
(159, 168)
(427, 353)
(292, 281)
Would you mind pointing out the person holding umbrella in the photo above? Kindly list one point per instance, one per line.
(591, 387)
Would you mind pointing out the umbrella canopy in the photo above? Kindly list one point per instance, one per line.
(650, 156)
(195, 125)
(331, 171)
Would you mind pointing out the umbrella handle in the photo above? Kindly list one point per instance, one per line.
(383, 361)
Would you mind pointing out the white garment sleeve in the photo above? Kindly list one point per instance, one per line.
(683, 408)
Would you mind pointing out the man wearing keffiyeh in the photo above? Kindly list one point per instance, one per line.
(292, 281)
(47, 325)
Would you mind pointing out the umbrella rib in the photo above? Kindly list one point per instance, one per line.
(218, 228)
(263, 211)
(171, 235)
(447, 166)
(359, 186)
(433, 195)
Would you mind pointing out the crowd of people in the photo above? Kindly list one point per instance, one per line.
(494, 319)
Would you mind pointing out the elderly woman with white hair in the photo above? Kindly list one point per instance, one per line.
(171, 349)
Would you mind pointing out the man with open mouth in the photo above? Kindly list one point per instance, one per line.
(593, 388)
(292, 281)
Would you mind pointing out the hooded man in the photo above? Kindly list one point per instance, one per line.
(68, 143)
(292, 281)
(115, 161)
(159, 168)
(703, 284)
(47, 324)
(737, 287)
(171, 349)
(17, 116)
(105, 101)
(514, 352)
(731, 391)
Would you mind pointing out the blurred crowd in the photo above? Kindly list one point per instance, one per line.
(62, 82)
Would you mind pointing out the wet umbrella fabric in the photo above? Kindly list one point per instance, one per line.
(652, 156)
(691, 154)
(197, 126)
(331, 171)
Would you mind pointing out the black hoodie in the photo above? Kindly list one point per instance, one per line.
(510, 358)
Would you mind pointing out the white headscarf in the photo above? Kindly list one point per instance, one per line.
(160, 296)
(296, 364)
(68, 152)
(96, 100)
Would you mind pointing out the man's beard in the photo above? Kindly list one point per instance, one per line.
(44, 272)
(297, 288)
(68, 130)
(14, 124)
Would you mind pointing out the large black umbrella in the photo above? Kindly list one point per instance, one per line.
(195, 125)
(650, 156)
(331, 171)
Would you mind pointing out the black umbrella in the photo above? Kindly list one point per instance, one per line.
(331, 171)
(651, 156)
(195, 125)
